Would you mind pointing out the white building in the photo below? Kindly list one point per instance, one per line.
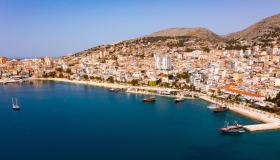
(163, 62)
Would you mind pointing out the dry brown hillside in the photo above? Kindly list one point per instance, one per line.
(267, 28)
(201, 33)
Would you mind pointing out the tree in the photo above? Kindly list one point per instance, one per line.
(85, 77)
(51, 74)
(143, 71)
(170, 76)
(206, 49)
(68, 70)
(134, 82)
(159, 81)
(237, 98)
(184, 75)
(61, 75)
(110, 79)
(59, 69)
(275, 100)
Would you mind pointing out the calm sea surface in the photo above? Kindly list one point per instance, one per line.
(71, 122)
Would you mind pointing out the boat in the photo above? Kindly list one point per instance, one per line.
(150, 99)
(12, 81)
(219, 109)
(235, 128)
(179, 99)
(114, 89)
(15, 105)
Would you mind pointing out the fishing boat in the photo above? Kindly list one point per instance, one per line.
(235, 128)
(150, 99)
(15, 105)
(179, 99)
(219, 109)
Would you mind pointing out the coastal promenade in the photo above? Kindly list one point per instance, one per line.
(107, 85)
(270, 121)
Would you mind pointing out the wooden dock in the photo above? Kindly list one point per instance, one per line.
(262, 127)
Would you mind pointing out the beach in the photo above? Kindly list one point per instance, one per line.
(106, 85)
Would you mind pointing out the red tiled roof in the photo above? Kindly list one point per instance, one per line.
(243, 92)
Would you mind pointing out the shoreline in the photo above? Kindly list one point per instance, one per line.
(262, 116)
(252, 113)
(104, 84)
(270, 121)
(116, 86)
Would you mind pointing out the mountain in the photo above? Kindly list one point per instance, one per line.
(173, 39)
(262, 33)
(198, 32)
(265, 33)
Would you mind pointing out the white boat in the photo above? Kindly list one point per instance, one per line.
(15, 105)
(212, 106)
(12, 81)
(179, 99)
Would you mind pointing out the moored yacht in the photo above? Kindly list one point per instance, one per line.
(114, 89)
(235, 128)
(219, 109)
(150, 99)
(179, 99)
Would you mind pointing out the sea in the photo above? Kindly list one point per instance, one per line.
(66, 121)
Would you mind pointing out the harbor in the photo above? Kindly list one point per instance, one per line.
(269, 121)
(104, 118)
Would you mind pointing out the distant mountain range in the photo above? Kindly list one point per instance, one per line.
(265, 33)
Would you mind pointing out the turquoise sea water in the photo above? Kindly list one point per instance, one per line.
(69, 121)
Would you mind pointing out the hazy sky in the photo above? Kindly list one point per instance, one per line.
(33, 28)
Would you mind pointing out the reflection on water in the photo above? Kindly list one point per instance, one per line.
(73, 121)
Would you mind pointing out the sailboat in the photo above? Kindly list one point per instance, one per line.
(15, 105)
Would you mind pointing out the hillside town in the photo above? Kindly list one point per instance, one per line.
(253, 74)
(243, 67)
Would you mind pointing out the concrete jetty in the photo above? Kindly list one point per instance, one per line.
(262, 127)
(270, 121)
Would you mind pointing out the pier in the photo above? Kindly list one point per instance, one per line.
(270, 121)
(262, 127)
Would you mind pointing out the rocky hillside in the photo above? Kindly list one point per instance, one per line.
(201, 33)
(263, 33)
(174, 39)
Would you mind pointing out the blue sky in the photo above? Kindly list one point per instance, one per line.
(34, 28)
